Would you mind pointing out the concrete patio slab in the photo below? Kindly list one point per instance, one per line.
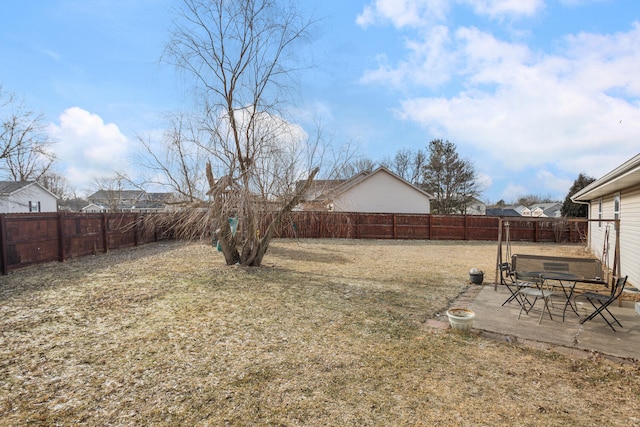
(493, 319)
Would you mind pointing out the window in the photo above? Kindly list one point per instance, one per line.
(616, 206)
(600, 212)
(34, 206)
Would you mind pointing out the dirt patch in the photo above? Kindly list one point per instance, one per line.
(328, 332)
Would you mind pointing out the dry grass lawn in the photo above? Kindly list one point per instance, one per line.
(328, 332)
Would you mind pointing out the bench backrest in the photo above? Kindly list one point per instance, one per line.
(589, 268)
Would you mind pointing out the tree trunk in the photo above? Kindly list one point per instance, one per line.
(263, 243)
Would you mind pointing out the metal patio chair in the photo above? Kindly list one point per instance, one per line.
(541, 290)
(507, 278)
(601, 302)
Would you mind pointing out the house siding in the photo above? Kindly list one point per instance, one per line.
(382, 193)
(18, 202)
(598, 230)
(629, 232)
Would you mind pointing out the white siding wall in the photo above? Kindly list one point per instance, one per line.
(629, 233)
(19, 201)
(382, 193)
(476, 208)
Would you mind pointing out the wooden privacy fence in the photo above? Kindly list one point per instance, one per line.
(429, 227)
(27, 239)
(44, 237)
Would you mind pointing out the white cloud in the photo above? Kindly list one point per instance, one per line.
(554, 184)
(519, 107)
(530, 108)
(498, 8)
(484, 180)
(403, 13)
(429, 62)
(87, 147)
(420, 13)
(513, 192)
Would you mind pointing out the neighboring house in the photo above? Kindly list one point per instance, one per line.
(521, 210)
(476, 207)
(153, 202)
(540, 210)
(616, 196)
(71, 205)
(127, 201)
(473, 206)
(26, 196)
(93, 208)
(550, 210)
(506, 211)
(380, 191)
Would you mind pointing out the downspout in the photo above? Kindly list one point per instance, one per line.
(588, 217)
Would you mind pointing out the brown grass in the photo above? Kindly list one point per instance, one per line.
(326, 333)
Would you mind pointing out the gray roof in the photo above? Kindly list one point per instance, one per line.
(502, 212)
(116, 194)
(9, 187)
(148, 204)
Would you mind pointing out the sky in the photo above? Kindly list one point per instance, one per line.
(532, 92)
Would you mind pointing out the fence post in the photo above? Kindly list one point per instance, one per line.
(395, 228)
(61, 237)
(104, 232)
(465, 227)
(136, 217)
(3, 246)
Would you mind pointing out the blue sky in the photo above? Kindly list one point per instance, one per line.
(533, 92)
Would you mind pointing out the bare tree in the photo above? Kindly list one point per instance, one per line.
(407, 164)
(111, 191)
(532, 199)
(178, 160)
(24, 143)
(56, 183)
(239, 55)
(353, 167)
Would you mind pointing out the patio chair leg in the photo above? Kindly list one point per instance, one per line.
(546, 305)
(599, 311)
(511, 298)
(522, 307)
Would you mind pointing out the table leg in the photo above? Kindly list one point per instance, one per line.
(569, 296)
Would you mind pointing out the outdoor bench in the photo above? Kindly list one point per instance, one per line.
(590, 270)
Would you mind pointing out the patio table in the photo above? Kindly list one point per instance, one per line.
(567, 283)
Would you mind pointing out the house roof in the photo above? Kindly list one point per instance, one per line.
(517, 209)
(149, 204)
(160, 197)
(93, 206)
(121, 194)
(321, 188)
(502, 212)
(362, 176)
(624, 176)
(8, 188)
(548, 209)
(545, 206)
